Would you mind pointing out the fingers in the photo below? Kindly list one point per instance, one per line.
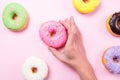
(54, 52)
(67, 21)
(66, 25)
(70, 40)
(72, 22)
(74, 27)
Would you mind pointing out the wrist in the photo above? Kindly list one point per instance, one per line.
(80, 64)
(85, 71)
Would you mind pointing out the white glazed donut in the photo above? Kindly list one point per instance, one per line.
(34, 69)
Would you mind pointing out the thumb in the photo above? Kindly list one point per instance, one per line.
(54, 51)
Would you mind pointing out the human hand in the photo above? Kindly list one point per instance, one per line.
(74, 52)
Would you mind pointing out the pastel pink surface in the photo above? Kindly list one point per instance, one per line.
(53, 34)
(15, 48)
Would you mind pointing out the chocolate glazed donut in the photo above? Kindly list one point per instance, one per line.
(115, 23)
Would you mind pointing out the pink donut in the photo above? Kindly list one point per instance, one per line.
(53, 34)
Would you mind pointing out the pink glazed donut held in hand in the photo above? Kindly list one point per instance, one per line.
(53, 34)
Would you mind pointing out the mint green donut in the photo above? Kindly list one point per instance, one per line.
(15, 17)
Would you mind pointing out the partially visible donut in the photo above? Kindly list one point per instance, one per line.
(111, 59)
(86, 6)
(113, 24)
(34, 69)
(15, 17)
(53, 34)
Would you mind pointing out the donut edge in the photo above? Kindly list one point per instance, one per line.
(34, 57)
(23, 27)
(104, 61)
(85, 11)
(57, 47)
(108, 27)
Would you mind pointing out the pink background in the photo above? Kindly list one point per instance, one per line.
(15, 47)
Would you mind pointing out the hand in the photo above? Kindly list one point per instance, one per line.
(74, 53)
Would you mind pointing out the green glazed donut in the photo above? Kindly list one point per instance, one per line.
(15, 17)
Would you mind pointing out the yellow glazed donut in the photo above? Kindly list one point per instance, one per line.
(86, 6)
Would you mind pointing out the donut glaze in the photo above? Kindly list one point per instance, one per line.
(115, 23)
(111, 59)
(34, 69)
(86, 6)
(15, 17)
(53, 34)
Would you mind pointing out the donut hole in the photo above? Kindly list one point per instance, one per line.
(14, 17)
(115, 59)
(52, 33)
(85, 1)
(34, 69)
(118, 23)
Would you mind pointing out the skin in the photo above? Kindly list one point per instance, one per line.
(75, 55)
